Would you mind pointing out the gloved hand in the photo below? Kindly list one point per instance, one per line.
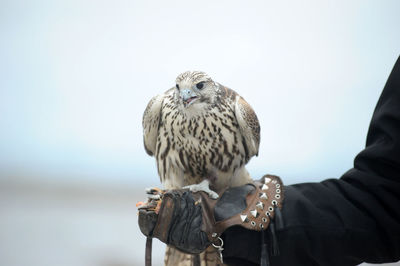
(178, 222)
(191, 221)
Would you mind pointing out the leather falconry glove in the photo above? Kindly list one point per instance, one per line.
(192, 221)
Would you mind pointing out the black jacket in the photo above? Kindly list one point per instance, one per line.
(343, 221)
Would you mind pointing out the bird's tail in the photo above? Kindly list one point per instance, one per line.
(174, 257)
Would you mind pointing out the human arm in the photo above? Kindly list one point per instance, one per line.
(343, 221)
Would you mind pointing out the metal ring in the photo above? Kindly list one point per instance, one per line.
(270, 209)
(277, 185)
(253, 223)
(222, 244)
(278, 190)
(277, 196)
(274, 202)
(264, 220)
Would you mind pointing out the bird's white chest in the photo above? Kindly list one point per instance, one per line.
(200, 145)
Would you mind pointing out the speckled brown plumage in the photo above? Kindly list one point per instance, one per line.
(214, 140)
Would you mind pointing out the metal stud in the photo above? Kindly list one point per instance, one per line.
(260, 205)
(214, 234)
(244, 218)
(263, 196)
(254, 213)
(274, 181)
(267, 180)
(264, 187)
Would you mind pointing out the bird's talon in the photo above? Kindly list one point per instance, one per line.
(203, 186)
(153, 190)
(213, 195)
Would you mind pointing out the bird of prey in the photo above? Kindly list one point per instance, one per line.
(201, 133)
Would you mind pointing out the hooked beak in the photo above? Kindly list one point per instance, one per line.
(188, 96)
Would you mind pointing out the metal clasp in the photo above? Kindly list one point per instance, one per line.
(220, 248)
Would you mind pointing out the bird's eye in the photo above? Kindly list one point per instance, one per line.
(177, 86)
(200, 85)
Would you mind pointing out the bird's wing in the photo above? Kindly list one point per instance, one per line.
(151, 122)
(248, 124)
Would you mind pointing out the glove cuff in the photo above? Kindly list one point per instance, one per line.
(259, 202)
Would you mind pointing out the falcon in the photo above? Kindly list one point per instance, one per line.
(202, 135)
(201, 132)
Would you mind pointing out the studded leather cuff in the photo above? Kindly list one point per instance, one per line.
(251, 206)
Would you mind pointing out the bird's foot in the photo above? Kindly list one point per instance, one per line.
(203, 186)
(154, 200)
(154, 193)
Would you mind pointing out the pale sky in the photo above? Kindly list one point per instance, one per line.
(75, 77)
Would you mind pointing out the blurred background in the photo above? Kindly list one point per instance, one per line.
(75, 78)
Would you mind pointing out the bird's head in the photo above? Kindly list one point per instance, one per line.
(194, 88)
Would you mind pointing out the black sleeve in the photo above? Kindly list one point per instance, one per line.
(343, 221)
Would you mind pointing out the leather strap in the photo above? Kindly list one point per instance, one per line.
(149, 242)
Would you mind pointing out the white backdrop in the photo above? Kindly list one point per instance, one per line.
(77, 75)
